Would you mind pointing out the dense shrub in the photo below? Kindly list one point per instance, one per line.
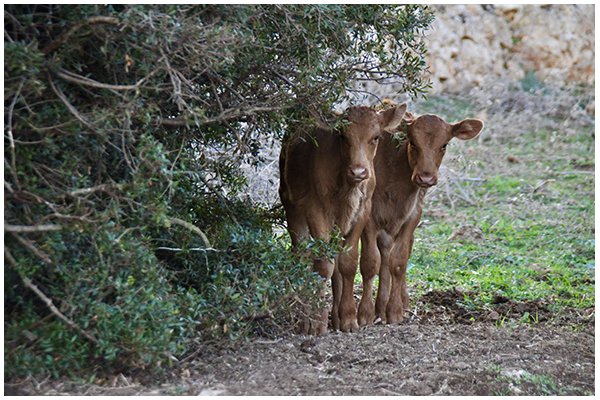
(126, 239)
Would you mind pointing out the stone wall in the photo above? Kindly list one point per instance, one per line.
(471, 44)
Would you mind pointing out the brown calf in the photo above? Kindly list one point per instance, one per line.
(404, 173)
(326, 182)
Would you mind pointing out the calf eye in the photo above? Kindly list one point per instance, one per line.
(444, 147)
(375, 140)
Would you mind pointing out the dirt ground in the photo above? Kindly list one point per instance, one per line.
(441, 349)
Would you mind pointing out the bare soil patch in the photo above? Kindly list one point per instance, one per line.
(450, 306)
(441, 350)
(411, 359)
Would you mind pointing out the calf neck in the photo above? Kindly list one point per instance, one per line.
(404, 171)
(327, 179)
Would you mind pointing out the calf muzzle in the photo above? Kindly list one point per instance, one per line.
(358, 174)
(425, 180)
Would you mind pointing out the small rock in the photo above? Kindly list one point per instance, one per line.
(591, 108)
(211, 392)
(493, 316)
(461, 365)
(423, 389)
(513, 373)
(468, 232)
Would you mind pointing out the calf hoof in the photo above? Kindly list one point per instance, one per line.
(318, 328)
(315, 324)
(350, 325)
(365, 320)
(366, 313)
(394, 311)
(313, 327)
(335, 322)
(394, 317)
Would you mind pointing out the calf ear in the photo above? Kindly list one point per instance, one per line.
(467, 129)
(409, 117)
(391, 119)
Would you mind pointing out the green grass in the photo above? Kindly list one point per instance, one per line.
(525, 383)
(537, 385)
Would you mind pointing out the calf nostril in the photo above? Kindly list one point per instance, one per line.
(427, 179)
(358, 173)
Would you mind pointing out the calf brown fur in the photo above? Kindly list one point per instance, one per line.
(404, 172)
(326, 182)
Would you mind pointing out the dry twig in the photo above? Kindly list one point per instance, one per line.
(224, 116)
(29, 245)
(104, 187)
(55, 310)
(31, 228)
(11, 139)
(82, 80)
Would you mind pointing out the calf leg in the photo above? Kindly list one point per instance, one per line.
(347, 263)
(297, 225)
(384, 243)
(318, 319)
(314, 321)
(336, 287)
(370, 261)
(398, 302)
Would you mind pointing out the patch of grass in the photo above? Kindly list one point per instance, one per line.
(523, 382)
(520, 382)
(503, 185)
(530, 82)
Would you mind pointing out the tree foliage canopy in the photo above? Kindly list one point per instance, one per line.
(125, 126)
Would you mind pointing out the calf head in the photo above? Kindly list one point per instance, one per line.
(359, 139)
(428, 136)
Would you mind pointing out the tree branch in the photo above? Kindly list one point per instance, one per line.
(82, 80)
(27, 282)
(104, 187)
(55, 310)
(69, 106)
(11, 139)
(39, 253)
(100, 19)
(192, 228)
